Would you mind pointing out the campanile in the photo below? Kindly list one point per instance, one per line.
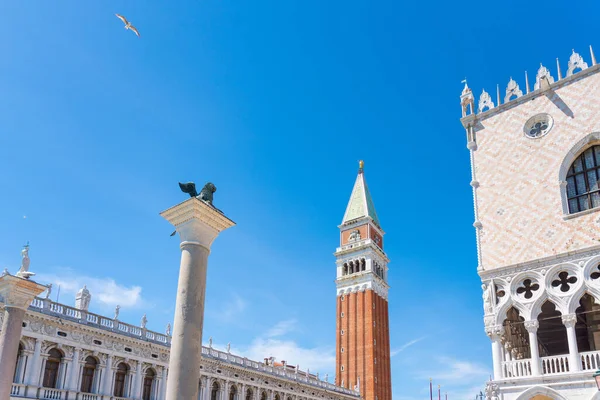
(362, 337)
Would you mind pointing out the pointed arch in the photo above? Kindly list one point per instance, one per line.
(540, 390)
(588, 141)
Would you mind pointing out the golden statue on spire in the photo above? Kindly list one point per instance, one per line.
(361, 164)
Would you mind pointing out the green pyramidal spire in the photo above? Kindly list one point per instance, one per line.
(361, 203)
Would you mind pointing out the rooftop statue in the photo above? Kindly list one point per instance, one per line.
(206, 194)
(24, 270)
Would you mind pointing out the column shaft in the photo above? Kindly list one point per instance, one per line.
(574, 363)
(33, 366)
(497, 356)
(137, 382)
(108, 376)
(9, 348)
(74, 371)
(535, 354)
(186, 351)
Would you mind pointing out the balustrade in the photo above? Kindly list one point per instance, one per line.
(516, 368)
(88, 396)
(555, 364)
(52, 394)
(17, 390)
(590, 361)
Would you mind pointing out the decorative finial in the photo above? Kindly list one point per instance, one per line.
(526, 83)
(593, 56)
(361, 165)
(558, 68)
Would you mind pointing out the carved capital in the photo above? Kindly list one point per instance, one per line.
(18, 292)
(569, 320)
(494, 332)
(532, 326)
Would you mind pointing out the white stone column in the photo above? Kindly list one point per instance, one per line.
(532, 327)
(73, 371)
(137, 382)
(18, 294)
(198, 224)
(495, 333)
(163, 387)
(108, 377)
(33, 365)
(207, 389)
(569, 322)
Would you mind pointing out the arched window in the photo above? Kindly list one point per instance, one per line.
(148, 384)
(51, 369)
(232, 393)
(362, 264)
(345, 269)
(583, 192)
(87, 375)
(277, 397)
(214, 393)
(263, 396)
(120, 379)
(351, 267)
(249, 394)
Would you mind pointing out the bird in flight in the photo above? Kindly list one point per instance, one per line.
(128, 24)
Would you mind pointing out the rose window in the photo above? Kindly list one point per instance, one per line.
(564, 281)
(528, 288)
(538, 126)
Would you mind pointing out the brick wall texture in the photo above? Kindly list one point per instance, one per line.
(363, 350)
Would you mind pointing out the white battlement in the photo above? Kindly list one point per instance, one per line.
(544, 80)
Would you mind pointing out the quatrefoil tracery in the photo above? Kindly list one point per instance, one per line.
(564, 281)
(528, 288)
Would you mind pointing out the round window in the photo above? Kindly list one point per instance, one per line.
(538, 125)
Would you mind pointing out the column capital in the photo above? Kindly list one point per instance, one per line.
(19, 292)
(494, 331)
(197, 222)
(532, 326)
(569, 320)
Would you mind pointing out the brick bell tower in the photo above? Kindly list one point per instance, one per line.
(362, 337)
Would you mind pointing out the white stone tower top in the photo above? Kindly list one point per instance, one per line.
(82, 299)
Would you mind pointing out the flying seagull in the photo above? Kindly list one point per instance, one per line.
(128, 24)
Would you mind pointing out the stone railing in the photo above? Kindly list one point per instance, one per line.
(590, 360)
(88, 396)
(516, 368)
(299, 376)
(52, 394)
(47, 306)
(17, 390)
(555, 364)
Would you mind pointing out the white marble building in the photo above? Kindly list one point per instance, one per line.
(69, 353)
(535, 160)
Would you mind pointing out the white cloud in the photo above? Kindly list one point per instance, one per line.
(232, 309)
(282, 328)
(106, 292)
(459, 378)
(317, 359)
(405, 346)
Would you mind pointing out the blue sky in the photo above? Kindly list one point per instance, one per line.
(274, 102)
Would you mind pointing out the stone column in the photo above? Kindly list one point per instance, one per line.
(18, 293)
(532, 327)
(198, 224)
(569, 322)
(495, 334)
(74, 371)
(33, 366)
(207, 389)
(137, 382)
(108, 377)
(163, 387)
